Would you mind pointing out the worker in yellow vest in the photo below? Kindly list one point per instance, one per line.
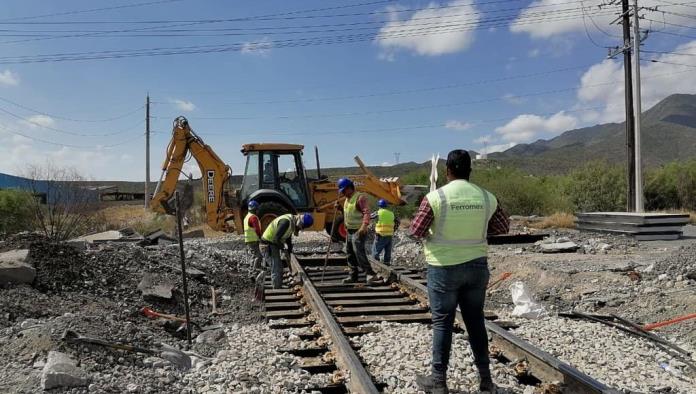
(252, 235)
(356, 218)
(384, 231)
(279, 232)
(455, 221)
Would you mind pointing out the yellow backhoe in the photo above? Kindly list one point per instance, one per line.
(275, 176)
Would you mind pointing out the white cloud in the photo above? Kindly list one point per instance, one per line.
(512, 99)
(38, 121)
(386, 164)
(438, 38)
(534, 52)
(21, 140)
(602, 84)
(457, 125)
(9, 78)
(550, 18)
(525, 128)
(262, 47)
(183, 105)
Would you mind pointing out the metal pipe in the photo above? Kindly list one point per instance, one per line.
(182, 256)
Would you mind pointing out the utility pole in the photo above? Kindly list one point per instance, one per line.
(628, 87)
(637, 108)
(147, 150)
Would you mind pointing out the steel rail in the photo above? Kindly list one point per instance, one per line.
(359, 380)
(543, 365)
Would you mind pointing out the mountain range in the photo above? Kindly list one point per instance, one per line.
(668, 134)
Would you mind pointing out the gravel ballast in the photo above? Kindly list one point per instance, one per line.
(398, 352)
(608, 355)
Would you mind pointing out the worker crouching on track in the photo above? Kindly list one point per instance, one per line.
(454, 221)
(384, 231)
(356, 218)
(279, 232)
(252, 235)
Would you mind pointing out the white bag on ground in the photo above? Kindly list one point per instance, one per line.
(525, 306)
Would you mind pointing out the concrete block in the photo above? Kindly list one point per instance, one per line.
(151, 286)
(14, 269)
(61, 371)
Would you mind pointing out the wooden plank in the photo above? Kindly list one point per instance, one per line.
(282, 298)
(304, 352)
(366, 294)
(415, 317)
(353, 331)
(285, 314)
(274, 306)
(371, 301)
(278, 291)
(352, 289)
(366, 310)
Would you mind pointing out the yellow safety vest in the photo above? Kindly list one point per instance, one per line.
(269, 234)
(385, 222)
(459, 230)
(352, 217)
(249, 232)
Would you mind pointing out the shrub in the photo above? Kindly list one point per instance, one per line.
(598, 186)
(15, 211)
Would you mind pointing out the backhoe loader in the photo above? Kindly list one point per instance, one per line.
(275, 176)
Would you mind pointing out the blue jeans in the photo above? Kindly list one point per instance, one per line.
(382, 243)
(464, 285)
(273, 261)
(357, 256)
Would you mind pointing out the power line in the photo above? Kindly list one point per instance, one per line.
(89, 10)
(419, 108)
(15, 132)
(408, 91)
(221, 48)
(63, 131)
(117, 117)
(669, 53)
(283, 15)
(177, 32)
(672, 63)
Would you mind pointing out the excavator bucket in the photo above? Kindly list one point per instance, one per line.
(185, 199)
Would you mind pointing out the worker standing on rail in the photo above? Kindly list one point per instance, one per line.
(356, 218)
(455, 221)
(279, 232)
(384, 231)
(252, 235)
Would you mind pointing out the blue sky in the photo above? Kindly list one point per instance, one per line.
(417, 78)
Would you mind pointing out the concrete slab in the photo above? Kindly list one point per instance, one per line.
(61, 371)
(15, 269)
(151, 286)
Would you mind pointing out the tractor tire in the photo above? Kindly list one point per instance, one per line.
(339, 232)
(268, 211)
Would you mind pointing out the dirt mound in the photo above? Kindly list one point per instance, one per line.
(58, 266)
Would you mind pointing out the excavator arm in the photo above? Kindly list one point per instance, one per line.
(215, 176)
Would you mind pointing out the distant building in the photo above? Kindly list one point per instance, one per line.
(47, 191)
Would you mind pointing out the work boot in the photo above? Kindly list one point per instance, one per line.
(431, 385)
(373, 280)
(487, 386)
(351, 279)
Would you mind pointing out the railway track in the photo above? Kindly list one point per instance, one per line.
(328, 312)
